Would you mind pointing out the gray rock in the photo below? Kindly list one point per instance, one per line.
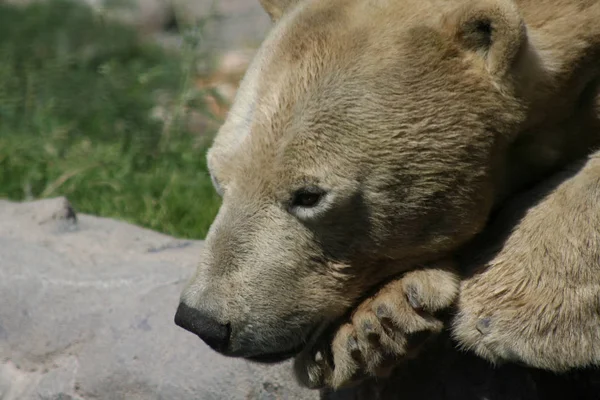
(228, 24)
(86, 312)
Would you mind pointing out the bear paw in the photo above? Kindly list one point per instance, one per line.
(383, 331)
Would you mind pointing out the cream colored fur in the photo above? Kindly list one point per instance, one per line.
(536, 298)
(412, 121)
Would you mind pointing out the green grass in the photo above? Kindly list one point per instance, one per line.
(76, 95)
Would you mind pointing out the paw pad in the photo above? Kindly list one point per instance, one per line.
(370, 332)
(412, 295)
(483, 325)
(383, 312)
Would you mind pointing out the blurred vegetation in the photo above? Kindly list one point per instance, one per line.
(76, 99)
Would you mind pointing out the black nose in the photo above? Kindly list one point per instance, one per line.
(214, 334)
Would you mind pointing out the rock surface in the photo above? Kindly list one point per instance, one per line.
(86, 312)
(228, 24)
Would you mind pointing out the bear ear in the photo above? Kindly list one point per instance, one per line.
(492, 29)
(276, 8)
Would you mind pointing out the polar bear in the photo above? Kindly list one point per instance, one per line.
(369, 143)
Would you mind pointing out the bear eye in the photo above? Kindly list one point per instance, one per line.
(307, 197)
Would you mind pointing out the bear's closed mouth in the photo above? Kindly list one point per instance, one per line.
(273, 358)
